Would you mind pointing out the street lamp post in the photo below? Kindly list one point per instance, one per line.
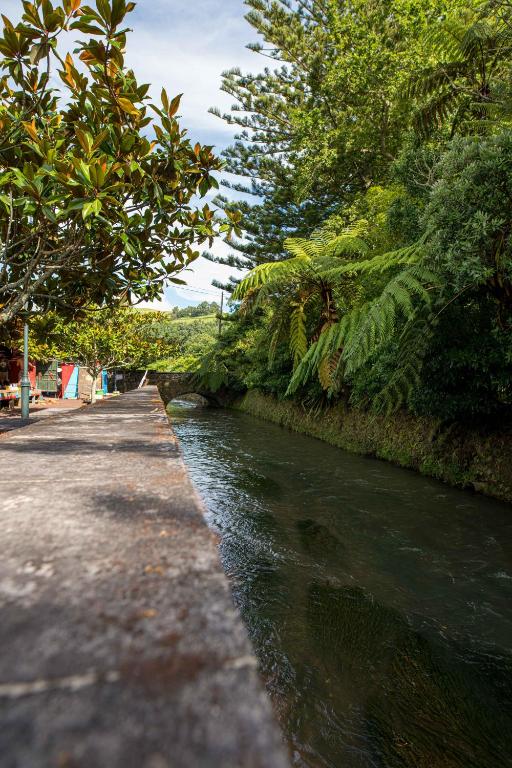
(25, 381)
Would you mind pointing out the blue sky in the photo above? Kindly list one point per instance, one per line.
(185, 46)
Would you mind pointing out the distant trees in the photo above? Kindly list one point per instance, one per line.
(202, 309)
(96, 183)
(99, 340)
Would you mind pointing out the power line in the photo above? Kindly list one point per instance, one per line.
(190, 289)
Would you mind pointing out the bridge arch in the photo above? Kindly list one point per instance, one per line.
(174, 385)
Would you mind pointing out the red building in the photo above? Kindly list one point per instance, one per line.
(11, 369)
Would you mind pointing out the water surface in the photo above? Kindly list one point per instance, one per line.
(378, 602)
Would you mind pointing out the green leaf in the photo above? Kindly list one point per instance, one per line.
(91, 208)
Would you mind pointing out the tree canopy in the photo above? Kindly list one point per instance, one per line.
(380, 246)
(98, 340)
(327, 118)
(97, 183)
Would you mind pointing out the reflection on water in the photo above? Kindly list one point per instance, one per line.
(378, 601)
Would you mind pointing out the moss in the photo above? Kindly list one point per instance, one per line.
(460, 455)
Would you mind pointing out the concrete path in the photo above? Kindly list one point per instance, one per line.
(44, 410)
(120, 646)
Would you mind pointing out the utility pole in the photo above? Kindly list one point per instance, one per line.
(221, 311)
(25, 381)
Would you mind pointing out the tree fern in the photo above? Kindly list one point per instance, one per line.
(472, 54)
(397, 303)
(326, 348)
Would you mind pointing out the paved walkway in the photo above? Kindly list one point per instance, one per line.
(120, 646)
(43, 410)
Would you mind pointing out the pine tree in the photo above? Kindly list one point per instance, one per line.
(326, 121)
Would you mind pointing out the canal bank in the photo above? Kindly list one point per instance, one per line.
(472, 458)
(121, 647)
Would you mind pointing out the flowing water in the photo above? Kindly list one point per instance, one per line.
(378, 602)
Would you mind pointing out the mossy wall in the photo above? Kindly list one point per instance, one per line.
(462, 456)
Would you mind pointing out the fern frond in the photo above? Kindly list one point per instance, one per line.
(414, 343)
(444, 39)
(308, 365)
(433, 114)
(479, 36)
(397, 303)
(431, 80)
(302, 248)
(382, 263)
(264, 274)
(346, 244)
(254, 280)
(277, 328)
(327, 372)
(298, 337)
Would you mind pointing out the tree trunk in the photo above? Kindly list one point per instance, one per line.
(94, 375)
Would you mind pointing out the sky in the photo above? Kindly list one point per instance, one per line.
(185, 46)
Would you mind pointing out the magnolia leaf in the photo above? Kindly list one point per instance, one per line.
(37, 53)
(127, 106)
(31, 130)
(86, 56)
(174, 105)
(85, 139)
(93, 207)
(165, 99)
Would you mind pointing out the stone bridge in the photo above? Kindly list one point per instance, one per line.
(172, 385)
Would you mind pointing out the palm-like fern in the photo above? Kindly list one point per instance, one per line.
(306, 254)
(342, 345)
(398, 304)
(399, 311)
(471, 53)
(310, 273)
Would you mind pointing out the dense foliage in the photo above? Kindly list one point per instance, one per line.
(97, 184)
(328, 120)
(380, 246)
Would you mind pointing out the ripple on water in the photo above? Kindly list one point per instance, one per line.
(379, 603)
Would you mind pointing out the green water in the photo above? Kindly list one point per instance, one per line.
(378, 602)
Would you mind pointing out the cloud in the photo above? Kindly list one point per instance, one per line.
(186, 47)
(199, 282)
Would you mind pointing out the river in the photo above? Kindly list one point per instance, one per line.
(379, 602)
